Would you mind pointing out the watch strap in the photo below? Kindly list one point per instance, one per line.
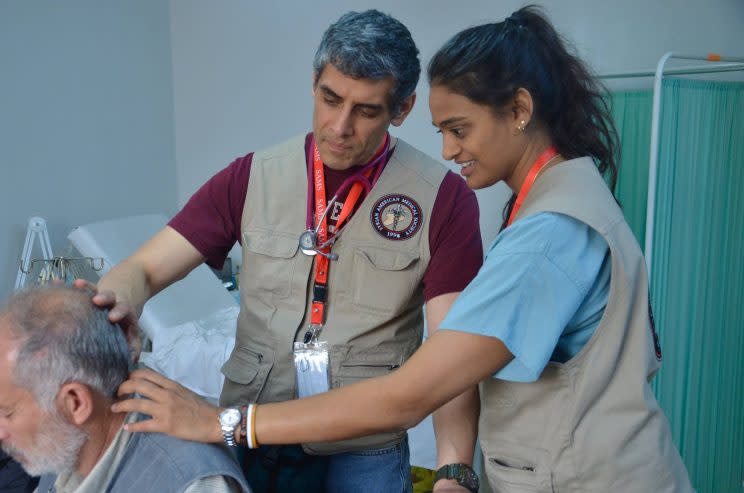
(462, 473)
(228, 434)
(228, 429)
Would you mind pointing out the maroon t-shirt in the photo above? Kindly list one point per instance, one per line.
(211, 222)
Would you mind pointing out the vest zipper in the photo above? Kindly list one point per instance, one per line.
(259, 356)
(369, 365)
(504, 464)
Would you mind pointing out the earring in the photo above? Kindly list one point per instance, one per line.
(522, 125)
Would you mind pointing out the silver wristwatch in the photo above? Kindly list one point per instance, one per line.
(229, 418)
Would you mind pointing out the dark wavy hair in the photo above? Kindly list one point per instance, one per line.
(489, 63)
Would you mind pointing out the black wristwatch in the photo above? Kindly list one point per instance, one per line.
(462, 473)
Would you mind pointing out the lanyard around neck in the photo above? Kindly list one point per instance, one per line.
(316, 177)
(317, 191)
(541, 161)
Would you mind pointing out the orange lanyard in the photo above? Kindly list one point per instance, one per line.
(539, 164)
(322, 262)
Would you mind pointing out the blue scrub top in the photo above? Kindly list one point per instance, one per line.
(542, 291)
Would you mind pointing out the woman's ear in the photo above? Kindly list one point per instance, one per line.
(75, 401)
(522, 109)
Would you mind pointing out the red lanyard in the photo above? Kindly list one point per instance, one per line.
(322, 263)
(539, 164)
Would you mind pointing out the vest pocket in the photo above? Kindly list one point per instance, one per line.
(383, 280)
(369, 363)
(268, 259)
(515, 468)
(246, 372)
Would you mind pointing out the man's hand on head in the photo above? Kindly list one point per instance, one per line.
(120, 313)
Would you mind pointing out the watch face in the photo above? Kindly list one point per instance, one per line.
(230, 417)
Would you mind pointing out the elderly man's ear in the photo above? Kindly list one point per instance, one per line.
(76, 402)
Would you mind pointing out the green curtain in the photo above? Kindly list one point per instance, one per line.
(697, 280)
(631, 111)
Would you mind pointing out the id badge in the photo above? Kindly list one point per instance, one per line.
(311, 366)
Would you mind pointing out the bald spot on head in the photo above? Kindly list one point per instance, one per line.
(55, 308)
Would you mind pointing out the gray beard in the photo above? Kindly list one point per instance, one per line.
(55, 449)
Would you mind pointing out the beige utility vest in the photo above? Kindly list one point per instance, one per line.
(374, 318)
(592, 424)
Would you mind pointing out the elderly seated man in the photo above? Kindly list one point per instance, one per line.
(61, 362)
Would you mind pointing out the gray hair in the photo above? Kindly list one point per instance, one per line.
(65, 338)
(371, 45)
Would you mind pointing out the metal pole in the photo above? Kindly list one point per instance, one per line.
(655, 128)
(734, 67)
(653, 161)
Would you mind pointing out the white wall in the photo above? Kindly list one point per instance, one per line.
(86, 117)
(118, 108)
(95, 124)
(242, 70)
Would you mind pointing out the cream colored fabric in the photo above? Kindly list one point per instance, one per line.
(591, 424)
(102, 473)
(374, 319)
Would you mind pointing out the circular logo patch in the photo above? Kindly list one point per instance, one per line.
(396, 217)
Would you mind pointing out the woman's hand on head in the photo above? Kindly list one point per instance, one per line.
(173, 409)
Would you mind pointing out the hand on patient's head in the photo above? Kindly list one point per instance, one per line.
(119, 313)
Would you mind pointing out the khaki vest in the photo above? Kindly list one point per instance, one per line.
(592, 424)
(374, 317)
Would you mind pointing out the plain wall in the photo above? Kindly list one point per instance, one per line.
(86, 117)
(119, 108)
(242, 70)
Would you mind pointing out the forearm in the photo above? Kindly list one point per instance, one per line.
(370, 407)
(128, 281)
(456, 422)
(456, 428)
(433, 376)
(163, 260)
(366, 408)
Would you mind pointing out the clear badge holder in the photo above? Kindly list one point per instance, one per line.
(311, 366)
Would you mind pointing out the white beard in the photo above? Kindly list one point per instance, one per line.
(55, 448)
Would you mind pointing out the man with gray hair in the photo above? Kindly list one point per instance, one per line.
(61, 362)
(346, 232)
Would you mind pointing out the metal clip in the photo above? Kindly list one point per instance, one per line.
(313, 331)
